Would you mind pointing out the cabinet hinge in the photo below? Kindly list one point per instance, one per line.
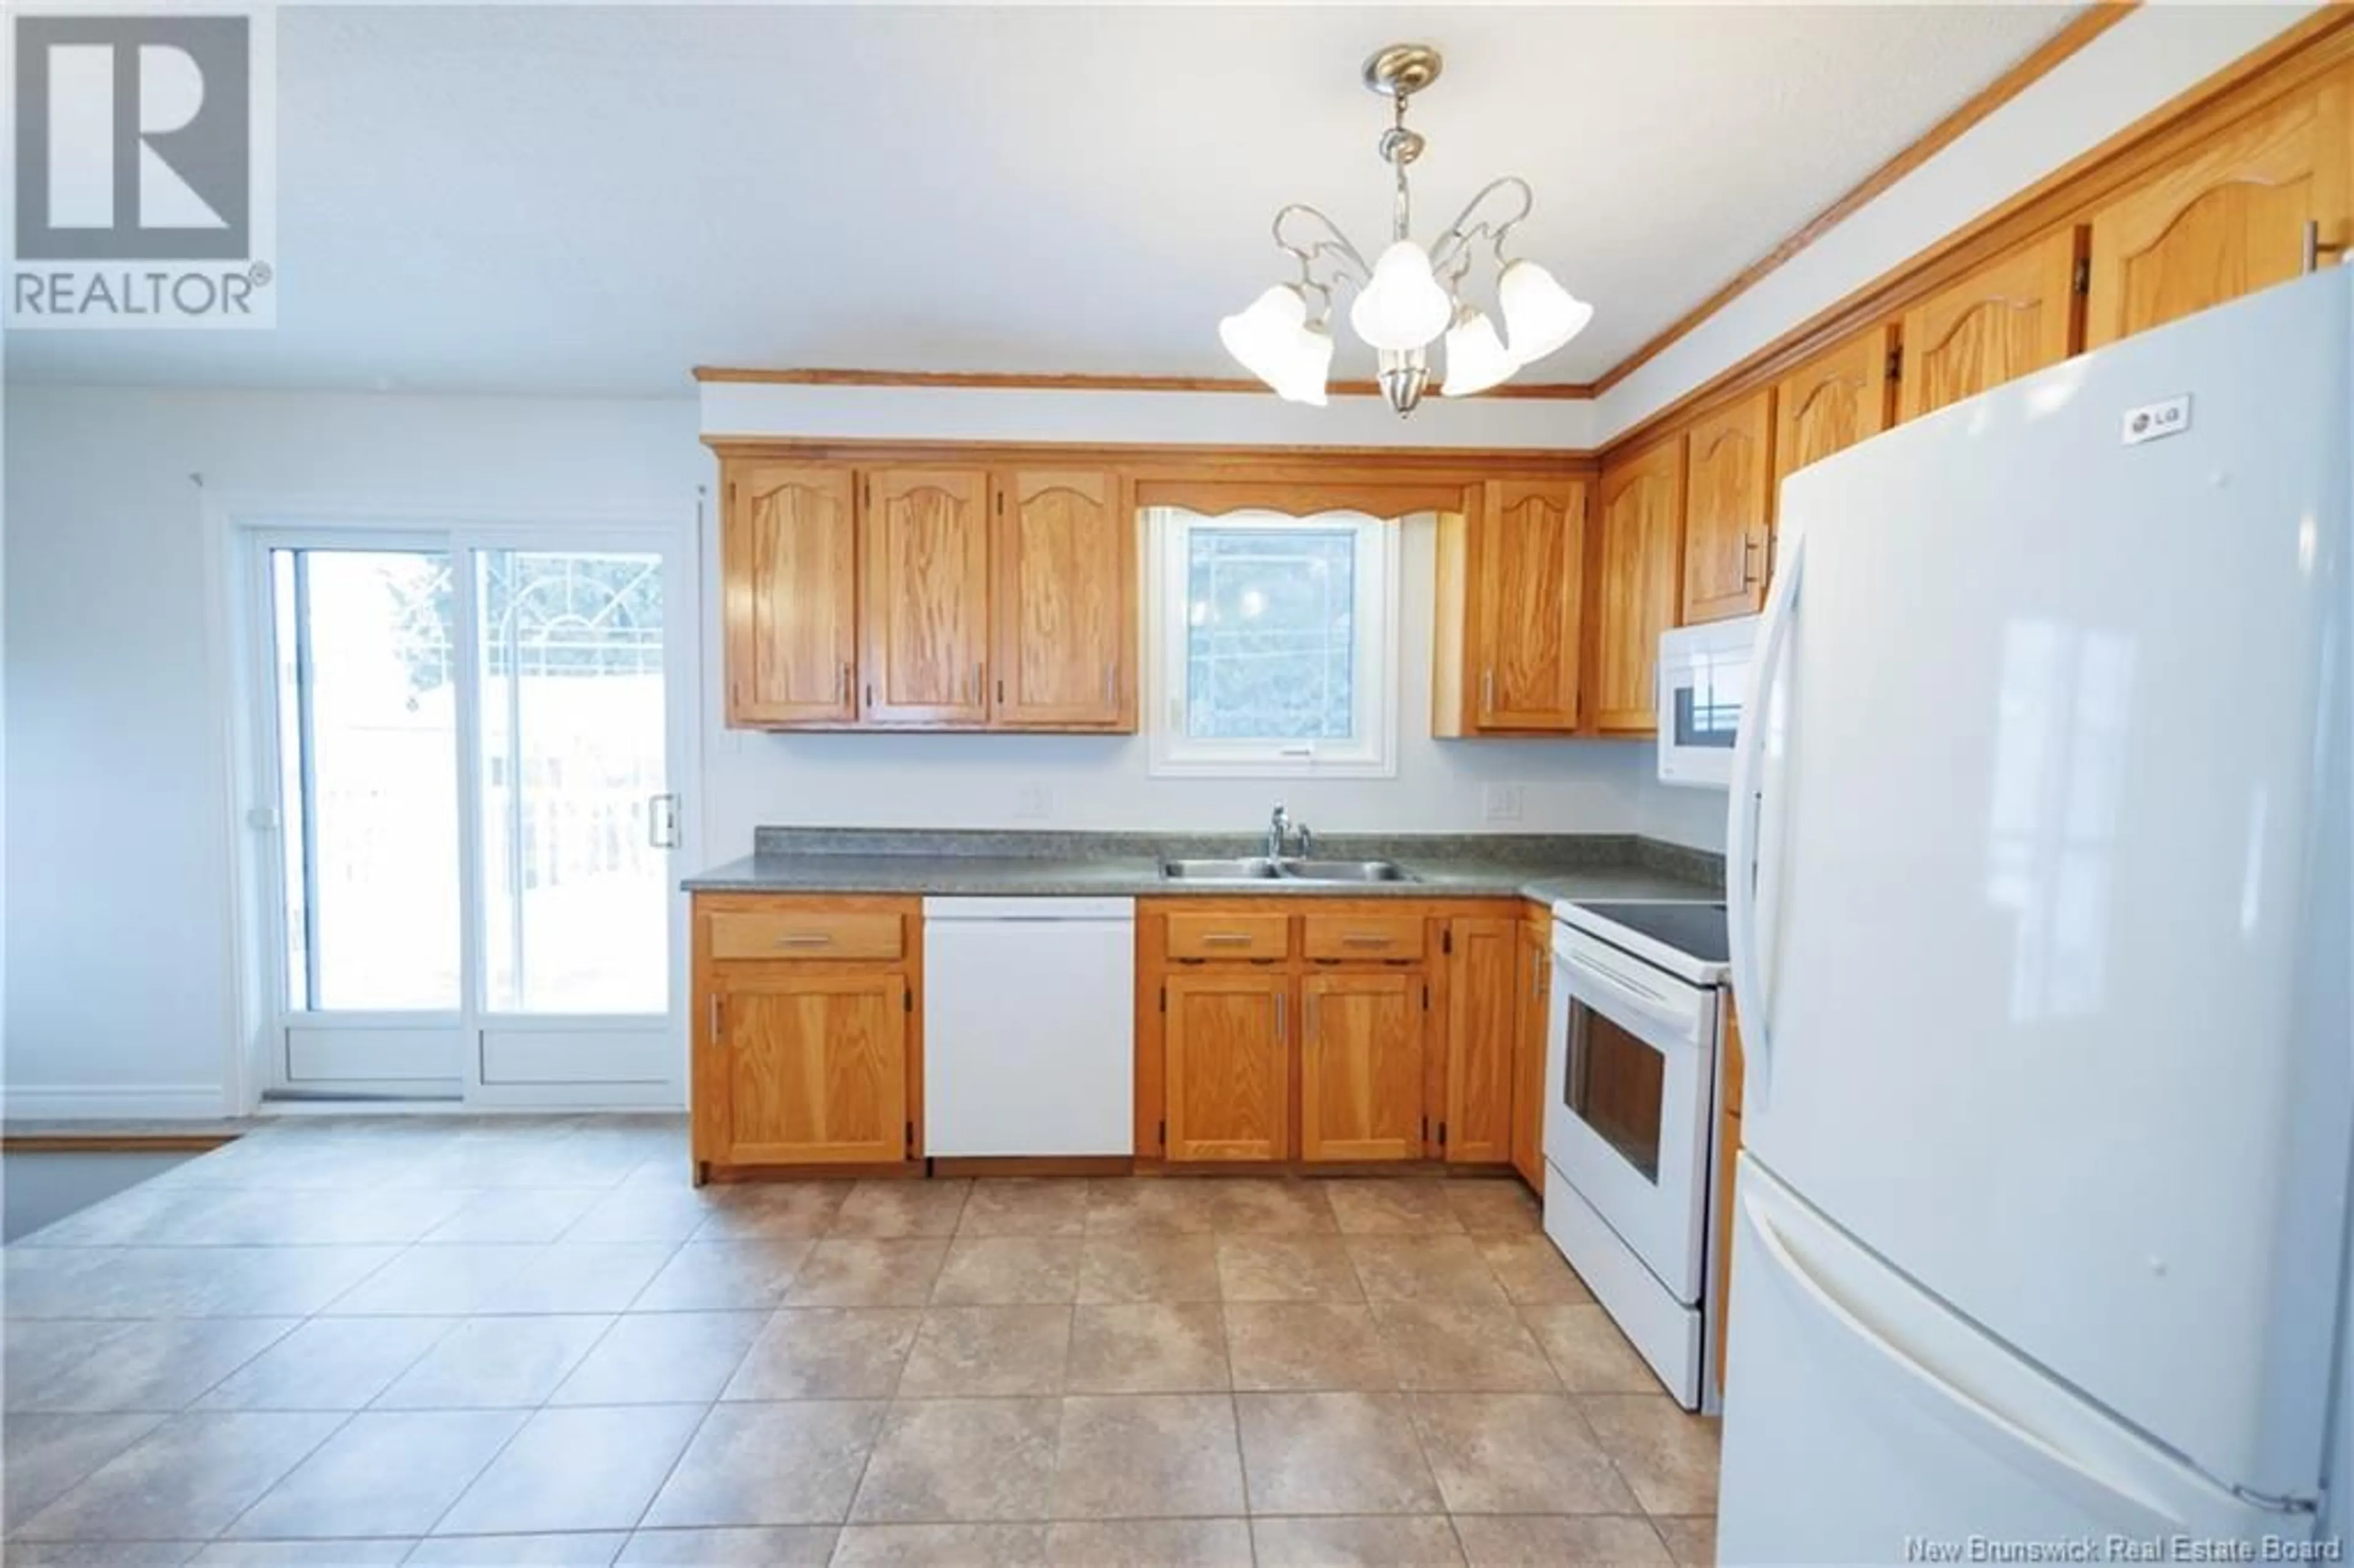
(2081, 281)
(1442, 1135)
(1425, 996)
(1426, 1130)
(911, 1138)
(906, 1001)
(1000, 503)
(867, 490)
(1161, 1134)
(1447, 941)
(1164, 999)
(1896, 362)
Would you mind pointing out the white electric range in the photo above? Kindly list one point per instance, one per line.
(1630, 1115)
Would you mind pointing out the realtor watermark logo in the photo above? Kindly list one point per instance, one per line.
(142, 147)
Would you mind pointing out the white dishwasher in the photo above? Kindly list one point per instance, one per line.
(1029, 1026)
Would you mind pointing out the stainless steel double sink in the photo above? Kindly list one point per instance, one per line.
(1265, 868)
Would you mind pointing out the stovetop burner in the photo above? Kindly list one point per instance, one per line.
(1695, 928)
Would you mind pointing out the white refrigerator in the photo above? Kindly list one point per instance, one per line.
(2040, 865)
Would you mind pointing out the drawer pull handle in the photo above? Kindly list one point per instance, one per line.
(1226, 939)
(805, 939)
(1366, 939)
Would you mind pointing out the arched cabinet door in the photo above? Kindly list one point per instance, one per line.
(789, 594)
(923, 570)
(1834, 400)
(1641, 518)
(1728, 510)
(2227, 220)
(2016, 314)
(1065, 581)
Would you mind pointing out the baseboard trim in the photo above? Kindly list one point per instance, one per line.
(113, 1102)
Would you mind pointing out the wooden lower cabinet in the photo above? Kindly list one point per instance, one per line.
(816, 1068)
(1483, 1013)
(1360, 1066)
(1534, 987)
(1226, 1035)
(806, 1055)
(1327, 1031)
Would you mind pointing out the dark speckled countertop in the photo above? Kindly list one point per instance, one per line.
(1027, 864)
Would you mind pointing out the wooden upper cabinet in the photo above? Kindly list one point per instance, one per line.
(1227, 1066)
(1641, 518)
(2016, 314)
(2227, 219)
(1831, 402)
(788, 586)
(1728, 504)
(1361, 1067)
(812, 1068)
(1482, 1015)
(923, 569)
(1066, 569)
(1511, 603)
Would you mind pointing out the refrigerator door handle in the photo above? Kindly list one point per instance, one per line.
(1745, 873)
(1962, 1403)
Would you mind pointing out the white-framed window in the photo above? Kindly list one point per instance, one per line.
(1272, 645)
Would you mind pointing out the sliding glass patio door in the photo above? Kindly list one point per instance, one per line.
(475, 743)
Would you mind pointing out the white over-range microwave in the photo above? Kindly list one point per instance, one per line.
(1703, 683)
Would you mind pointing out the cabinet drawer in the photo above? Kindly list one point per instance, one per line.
(1362, 936)
(833, 934)
(1195, 936)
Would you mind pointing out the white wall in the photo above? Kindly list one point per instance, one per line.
(121, 849)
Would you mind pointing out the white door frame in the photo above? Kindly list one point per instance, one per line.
(241, 531)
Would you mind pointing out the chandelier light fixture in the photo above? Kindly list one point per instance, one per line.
(1408, 298)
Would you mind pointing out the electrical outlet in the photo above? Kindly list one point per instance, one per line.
(1034, 802)
(1500, 802)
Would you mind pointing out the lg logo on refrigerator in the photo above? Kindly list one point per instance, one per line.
(144, 170)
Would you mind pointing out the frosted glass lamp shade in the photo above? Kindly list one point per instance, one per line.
(1476, 357)
(1308, 364)
(1401, 307)
(1540, 315)
(1272, 340)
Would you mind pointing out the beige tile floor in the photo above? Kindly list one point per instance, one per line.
(529, 1340)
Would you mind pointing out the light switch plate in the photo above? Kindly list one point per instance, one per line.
(1500, 802)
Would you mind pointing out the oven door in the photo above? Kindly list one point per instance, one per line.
(1703, 678)
(1628, 1074)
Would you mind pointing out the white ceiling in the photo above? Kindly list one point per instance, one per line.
(593, 199)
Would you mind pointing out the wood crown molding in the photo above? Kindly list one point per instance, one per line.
(2031, 69)
(994, 381)
(1181, 463)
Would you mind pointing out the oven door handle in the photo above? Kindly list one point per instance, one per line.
(1625, 991)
